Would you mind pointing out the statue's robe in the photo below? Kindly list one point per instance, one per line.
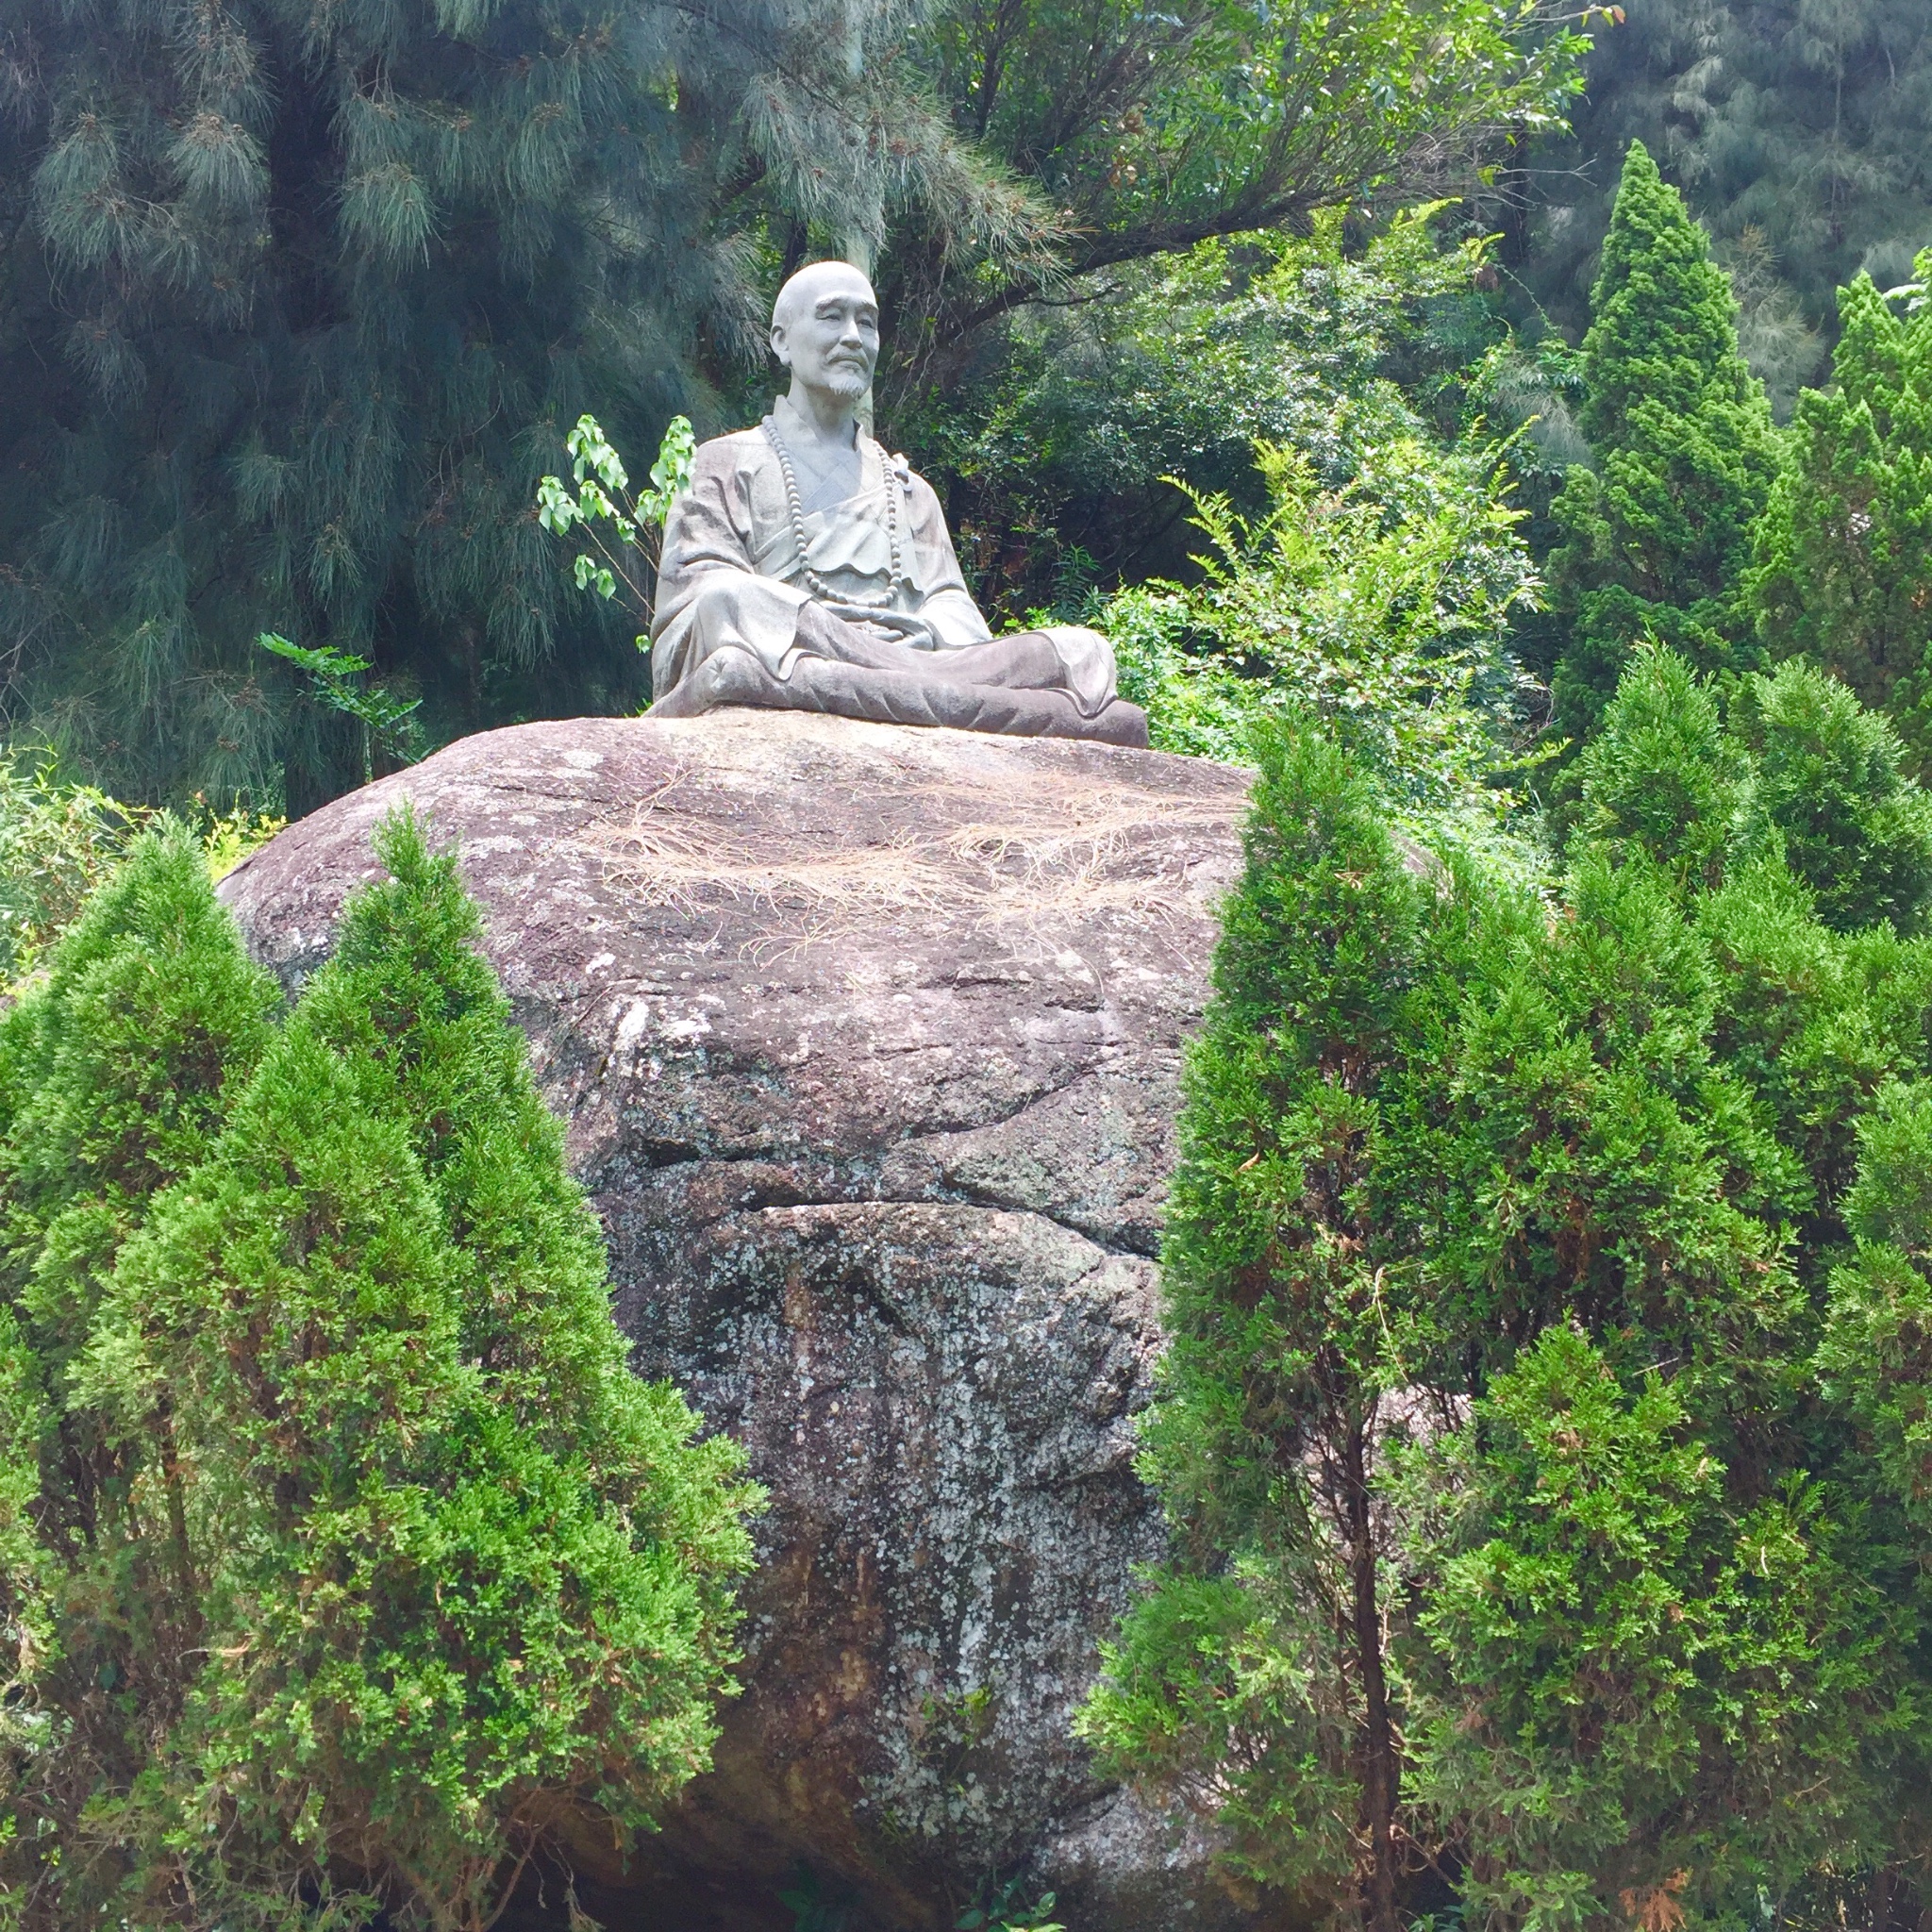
(736, 622)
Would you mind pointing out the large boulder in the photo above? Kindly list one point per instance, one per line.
(867, 1040)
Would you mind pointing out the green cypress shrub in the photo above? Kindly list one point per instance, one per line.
(1524, 1540)
(1842, 556)
(1831, 787)
(116, 1073)
(1800, 769)
(1877, 1349)
(1637, 1679)
(1662, 778)
(1312, 1177)
(393, 1564)
(1657, 529)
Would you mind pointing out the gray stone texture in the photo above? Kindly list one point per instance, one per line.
(867, 1040)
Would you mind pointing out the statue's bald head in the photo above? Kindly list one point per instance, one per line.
(804, 291)
(825, 330)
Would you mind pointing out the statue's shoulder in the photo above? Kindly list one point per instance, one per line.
(740, 449)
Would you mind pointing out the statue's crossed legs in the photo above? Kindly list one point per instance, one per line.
(1016, 685)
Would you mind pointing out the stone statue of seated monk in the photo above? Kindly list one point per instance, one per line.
(806, 570)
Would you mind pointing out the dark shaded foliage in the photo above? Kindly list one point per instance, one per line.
(1796, 130)
(297, 305)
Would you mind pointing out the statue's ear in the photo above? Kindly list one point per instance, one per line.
(778, 344)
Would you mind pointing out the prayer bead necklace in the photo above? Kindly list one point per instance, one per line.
(813, 582)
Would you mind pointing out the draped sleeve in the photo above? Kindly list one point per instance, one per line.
(710, 587)
(944, 602)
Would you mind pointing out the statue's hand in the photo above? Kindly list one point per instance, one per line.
(909, 629)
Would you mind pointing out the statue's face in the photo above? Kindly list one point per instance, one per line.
(825, 329)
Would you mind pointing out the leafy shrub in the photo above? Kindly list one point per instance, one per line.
(1062, 443)
(1005, 1908)
(389, 731)
(1543, 1431)
(630, 549)
(1383, 607)
(357, 1559)
(58, 843)
(61, 840)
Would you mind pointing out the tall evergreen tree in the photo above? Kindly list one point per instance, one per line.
(1842, 557)
(355, 1559)
(1657, 529)
(1525, 1541)
(297, 304)
(1314, 1167)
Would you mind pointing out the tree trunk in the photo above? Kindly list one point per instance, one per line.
(1380, 1781)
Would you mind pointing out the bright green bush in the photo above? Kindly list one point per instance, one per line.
(1800, 770)
(358, 1558)
(1636, 1674)
(1831, 788)
(1543, 1429)
(1877, 1349)
(1842, 556)
(1384, 608)
(1664, 780)
(61, 840)
(58, 843)
(1255, 1668)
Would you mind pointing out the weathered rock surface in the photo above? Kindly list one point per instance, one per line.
(867, 1040)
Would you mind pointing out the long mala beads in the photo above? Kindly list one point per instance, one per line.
(815, 583)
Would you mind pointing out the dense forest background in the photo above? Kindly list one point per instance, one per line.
(1795, 131)
(297, 306)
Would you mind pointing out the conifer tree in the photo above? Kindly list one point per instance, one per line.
(1523, 1538)
(297, 306)
(115, 1075)
(1296, 1307)
(1842, 556)
(391, 1563)
(1684, 454)
(1800, 771)
(1663, 780)
(1829, 786)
